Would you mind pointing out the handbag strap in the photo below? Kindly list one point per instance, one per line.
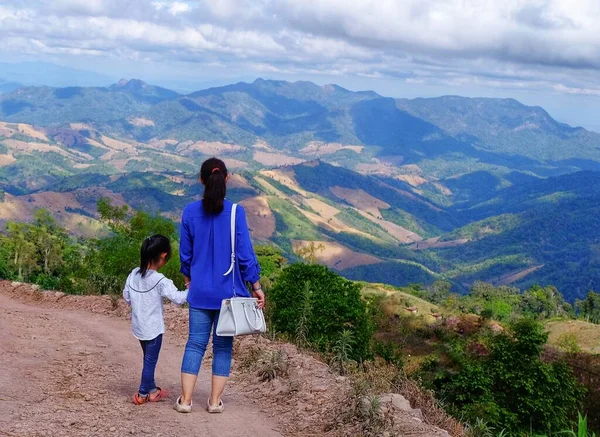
(256, 317)
(232, 266)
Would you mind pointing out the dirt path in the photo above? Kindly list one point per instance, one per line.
(71, 373)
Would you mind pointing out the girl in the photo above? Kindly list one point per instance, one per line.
(205, 254)
(144, 292)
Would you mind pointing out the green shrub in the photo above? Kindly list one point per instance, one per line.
(335, 306)
(511, 387)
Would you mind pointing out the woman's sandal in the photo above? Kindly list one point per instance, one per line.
(177, 406)
(162, 394)
(215, 409)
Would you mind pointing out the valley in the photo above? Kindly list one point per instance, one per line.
(392, 191)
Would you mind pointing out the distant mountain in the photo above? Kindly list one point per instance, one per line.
(7, 87)
(513, 228)
(48, 74)
(508, 127)
(444, 137)
(543, 231)
(140, 89)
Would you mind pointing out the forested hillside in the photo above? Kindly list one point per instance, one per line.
(395, 191)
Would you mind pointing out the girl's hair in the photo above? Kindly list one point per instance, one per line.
(152, 248)
(213, 174)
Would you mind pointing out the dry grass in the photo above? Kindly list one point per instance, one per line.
(7, 160)
(433, 413)
(336, 256)
(586, 334)
(261, 220)
(275, 159)
(317, 148)
(361, 200)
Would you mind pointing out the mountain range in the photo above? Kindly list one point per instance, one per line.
(394, 190)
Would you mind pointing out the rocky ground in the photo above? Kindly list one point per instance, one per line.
(69, 365)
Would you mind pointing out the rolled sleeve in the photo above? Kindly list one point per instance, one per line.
(246, 258)
(186, 246)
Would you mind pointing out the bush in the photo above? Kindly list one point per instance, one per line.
(511, 387)
(335, 306)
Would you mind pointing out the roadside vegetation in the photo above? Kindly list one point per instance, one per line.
(476, 364)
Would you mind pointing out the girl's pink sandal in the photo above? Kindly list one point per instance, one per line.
(162, 394)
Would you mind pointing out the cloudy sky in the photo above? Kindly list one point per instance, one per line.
(544, 52)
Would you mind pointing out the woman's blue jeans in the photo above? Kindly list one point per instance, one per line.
(202, 323)
(151, 349)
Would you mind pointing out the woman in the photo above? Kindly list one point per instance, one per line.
(205, 252)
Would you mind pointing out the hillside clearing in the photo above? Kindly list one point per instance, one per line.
(587, 334)
(336, 256)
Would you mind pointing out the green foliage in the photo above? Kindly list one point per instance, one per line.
(115, 256)
(510, 385)
(589, 308)
(335, 306)
(342, 351)
(504, 303)
(270, 259)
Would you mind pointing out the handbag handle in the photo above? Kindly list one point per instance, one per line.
(256, 328)
(232, 265)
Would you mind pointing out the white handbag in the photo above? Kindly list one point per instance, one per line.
(239, 315)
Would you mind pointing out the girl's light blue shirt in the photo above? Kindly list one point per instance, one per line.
(205, 254)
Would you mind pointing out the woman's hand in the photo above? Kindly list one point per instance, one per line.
(260, 295)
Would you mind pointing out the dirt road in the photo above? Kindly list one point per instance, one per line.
(72, 373)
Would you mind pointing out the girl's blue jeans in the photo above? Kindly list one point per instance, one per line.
(202, 323)
(151, 349)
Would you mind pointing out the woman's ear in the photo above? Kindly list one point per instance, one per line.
(227, 177)
(163, 257)
(202, 181)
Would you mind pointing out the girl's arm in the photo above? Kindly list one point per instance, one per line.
(246, 258)
(126, 296)
(170, 291)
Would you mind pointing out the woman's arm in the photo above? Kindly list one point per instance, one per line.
(246, 258)
(186, 248)
(259, 294)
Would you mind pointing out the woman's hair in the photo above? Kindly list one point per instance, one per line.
(213, 174)
(152, 248)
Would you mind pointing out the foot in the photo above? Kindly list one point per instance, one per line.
(181, 408)
(158, 395)
(215, 408)
(138, 399)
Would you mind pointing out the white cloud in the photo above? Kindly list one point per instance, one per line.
(510, 43)
(580, 91)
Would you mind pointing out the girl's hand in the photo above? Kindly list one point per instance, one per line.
(260, 295)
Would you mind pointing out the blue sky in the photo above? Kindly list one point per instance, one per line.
(542, 52)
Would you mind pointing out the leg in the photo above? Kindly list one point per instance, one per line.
(222, 351)
(200, 325)
(151, 350)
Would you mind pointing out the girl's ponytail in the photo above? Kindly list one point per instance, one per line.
(152, 249)
(213, 174)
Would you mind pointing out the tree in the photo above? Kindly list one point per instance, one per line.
(589, 308)
(116, 255)
(544, 302)
(333, 304)
(511, 386)
(23, 250)
(439, 291)
(48, 238)
(309, 253)
(270, 259)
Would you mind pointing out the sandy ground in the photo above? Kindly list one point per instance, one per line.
(72, 373)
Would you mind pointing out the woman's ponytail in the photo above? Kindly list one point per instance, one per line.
(214, 176)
